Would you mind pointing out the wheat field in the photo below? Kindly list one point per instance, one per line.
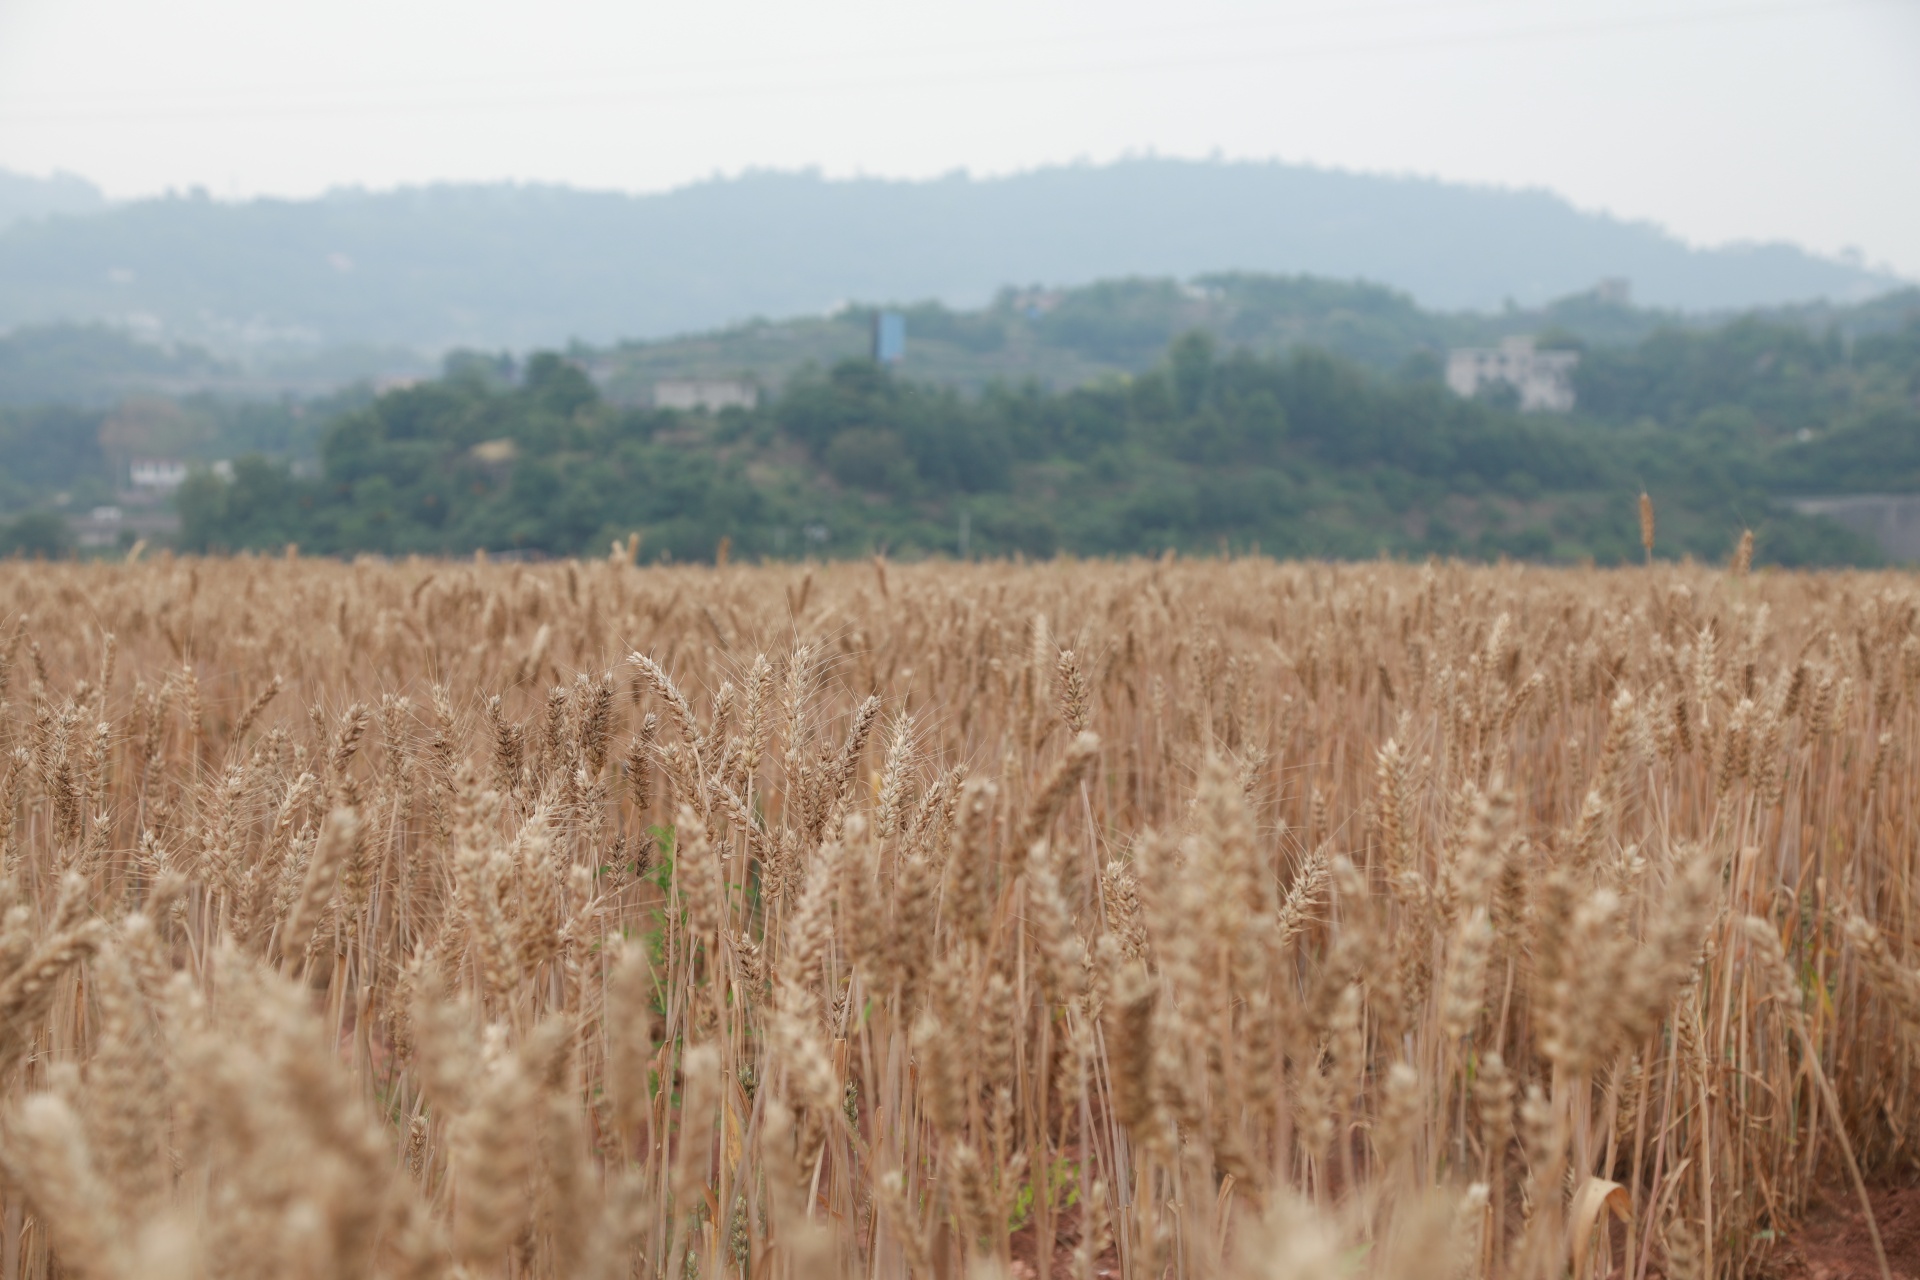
(1221, 918)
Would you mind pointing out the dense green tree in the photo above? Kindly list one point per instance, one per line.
(36, 533)
(1302, 454)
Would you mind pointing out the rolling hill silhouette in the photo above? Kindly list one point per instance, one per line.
(521, 266)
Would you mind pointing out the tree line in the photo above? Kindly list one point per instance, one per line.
(1300, 453)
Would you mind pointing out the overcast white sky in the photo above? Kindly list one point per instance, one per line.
(1721, 119)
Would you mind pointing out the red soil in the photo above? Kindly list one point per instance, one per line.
(1833, 1243)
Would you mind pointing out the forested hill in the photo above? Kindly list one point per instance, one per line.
(518, 267)
(1057, 338)
(1064, 338)
(1303, 414)
(1302, 454)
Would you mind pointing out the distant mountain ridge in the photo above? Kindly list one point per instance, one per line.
(24, 196)
(524, 266)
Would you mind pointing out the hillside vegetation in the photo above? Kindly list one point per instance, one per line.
(1304, 453)
(1064, 338)
(1304, 415)
(1059, 338)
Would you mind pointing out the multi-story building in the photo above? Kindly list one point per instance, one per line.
(1543, 379)
(157, 473)
(708, 394)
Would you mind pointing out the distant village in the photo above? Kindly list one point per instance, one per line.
(1541, 380)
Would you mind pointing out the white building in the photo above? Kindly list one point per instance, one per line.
(157, 473)
(1544, 379)
(99, 528)
(708, 394)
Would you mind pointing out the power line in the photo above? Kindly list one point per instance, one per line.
(837, 53)
(752, 90)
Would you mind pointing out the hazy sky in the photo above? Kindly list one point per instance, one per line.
(1721, 119)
